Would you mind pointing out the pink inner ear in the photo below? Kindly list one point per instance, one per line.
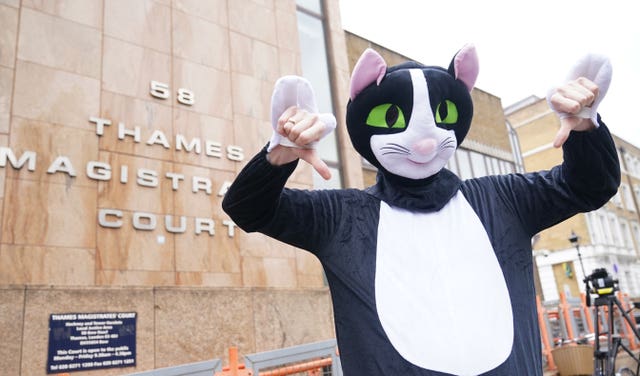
(466, 65)
(369, 68)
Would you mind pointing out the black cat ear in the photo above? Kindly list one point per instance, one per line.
(464, 66)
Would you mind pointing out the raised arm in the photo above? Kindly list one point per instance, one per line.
(257, 200)
(590, 173)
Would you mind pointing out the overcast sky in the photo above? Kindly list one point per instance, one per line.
(524, 48)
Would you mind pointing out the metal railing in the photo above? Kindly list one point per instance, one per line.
(296, 354)
(286, 361)
(206, 368)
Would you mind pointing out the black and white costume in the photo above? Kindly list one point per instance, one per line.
(429, 275)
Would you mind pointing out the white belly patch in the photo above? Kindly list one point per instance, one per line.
(440, 292)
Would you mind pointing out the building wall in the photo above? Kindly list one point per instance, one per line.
(603, 240)
(95, 224)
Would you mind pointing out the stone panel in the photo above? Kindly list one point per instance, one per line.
(289, 62)
(254, 20)
(251, 96)
(196, 324)
(134, 278)
(200, 204)
(85, 300)
(132, 195)
(215, 131)
(200, 41)
(254, 58)
(287, 28)
(289, 318)
(59, 43)
(149, 119)
(129, 69)
(209, 279)
(11, 3)
(8, 33)
(251, 135)
(145, 22)
(205, 253)
(54, 96)
(214, 11)
(51, 142)
(47, 265)
(86, 12)
(256, 244)
(11, 323)
(6, 90)
(127, 249)
(269, 272)
(4, 141)
(46, 214)
(211, 88)
(310, 273)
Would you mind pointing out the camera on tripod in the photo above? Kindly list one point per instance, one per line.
(601, 282)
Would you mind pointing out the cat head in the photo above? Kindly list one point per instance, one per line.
(408, 120)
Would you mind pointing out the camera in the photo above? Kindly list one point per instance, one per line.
(601, 283)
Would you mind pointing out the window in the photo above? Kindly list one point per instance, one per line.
(464, 165)
(635, 228)
(616, 200)
(313, 54)
(495, 165)
(594, 229)
(477, 163)
(515, 146)
(452, 165)
(614, 228)
(626, 234)
(627, 198)
(506, 167)
(604, 226)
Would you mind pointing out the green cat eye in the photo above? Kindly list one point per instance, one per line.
(446, 112)
(386, 116)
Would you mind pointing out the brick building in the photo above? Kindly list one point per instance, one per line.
(607, 238)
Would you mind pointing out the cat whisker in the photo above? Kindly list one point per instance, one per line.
(399, 146)
(394, 148)
(395, 152)
(447, 143)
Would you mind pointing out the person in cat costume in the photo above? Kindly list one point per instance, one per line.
(429, 275)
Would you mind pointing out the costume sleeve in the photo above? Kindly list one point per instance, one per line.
(258, 201)
(588, 177)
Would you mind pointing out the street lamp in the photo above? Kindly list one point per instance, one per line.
(573, 238)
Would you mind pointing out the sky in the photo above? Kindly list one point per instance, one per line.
(524, 48)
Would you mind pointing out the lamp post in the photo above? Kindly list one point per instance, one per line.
(573, 238)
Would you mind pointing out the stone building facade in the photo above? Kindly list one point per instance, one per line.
(121, 125)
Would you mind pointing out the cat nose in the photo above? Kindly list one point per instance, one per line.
(425, 146)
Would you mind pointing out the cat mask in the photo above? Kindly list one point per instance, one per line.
(408, 120)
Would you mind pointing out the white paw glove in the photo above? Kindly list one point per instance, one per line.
(596, 68)
(295, 91)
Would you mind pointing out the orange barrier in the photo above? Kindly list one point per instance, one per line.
(234, 368)
(314, 367)
(587, 313)
(544, 331)
(626, 328)
(567, 313)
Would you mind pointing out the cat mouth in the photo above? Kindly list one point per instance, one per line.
(420, 163)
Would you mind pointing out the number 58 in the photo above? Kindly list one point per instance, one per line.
(161, 90)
